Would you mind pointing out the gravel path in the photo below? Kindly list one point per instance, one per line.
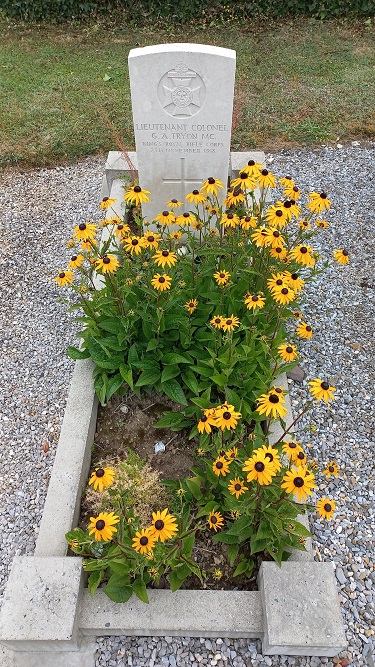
(37, 211)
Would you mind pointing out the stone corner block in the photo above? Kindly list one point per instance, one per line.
(39, 612)
(301, 609)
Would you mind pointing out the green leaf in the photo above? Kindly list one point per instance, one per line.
(148, 377)
(127, 375)
(111, 325)
(224, 537)
(174, 391)
(139, 588)
(76, 534)
(174, 358)
(132, 354)
(194, 489)
(232, 553)
(187, 545)
(94, 581)
(170, 372)
(241, 568)
(152, 345)
(209, 507)
(75, 353)
(113, 385)
(118, 588)
(298, 529)
(191, 382)
(174, 581)
(169, 419)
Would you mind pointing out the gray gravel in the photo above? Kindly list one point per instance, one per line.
(38, 211)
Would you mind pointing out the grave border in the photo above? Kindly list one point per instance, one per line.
(315, 615)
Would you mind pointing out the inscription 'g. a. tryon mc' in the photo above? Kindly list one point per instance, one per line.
(182, 99)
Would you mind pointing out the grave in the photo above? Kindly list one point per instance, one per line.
(182, 99)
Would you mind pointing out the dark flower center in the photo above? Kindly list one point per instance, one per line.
(82, 226)
(276, 234)
(174, 201)
(143, 541)
(331, 469)
(151, 239)
(74, 258)
(62, 274)
(324, 385)
(195, 192)
(137, 189)
(106, 260)
(298, 482)
(300, 456)
(219, 464)
(264, 172)
(165, 253)
(295, 189)
(323, 195)
(218, 320)
(120, 227)
(226, 415)
(269, 456)
(284, 290)
(308, 328)
(255, 298)
(165, 213)
(100, 472)
(237, 487)
(273, 398)
(230, 216)
(204, 418)
(289, 349)
(161, 279)
(292, 202)
(294, 276)
(247, 219)
(135, 241)
(303, 250)
(211, 180)
(327, 507)
(222, 275)
(345, 253)
(229, 322)
(213, 519)
(292, 445)
(287, 204)
(186, 215)
(278, 390)
(100, 524)
(251, 163)
(159, 524)
(278, 213)
(278, 250)
(105, 198)
(191, 304)
(259, 466)
(279, 282)
(243, 175)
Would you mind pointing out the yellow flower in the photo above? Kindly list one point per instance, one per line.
(283, 295)
(341, 256)
(165, 258)
(163, 525)
(86, 231)
(231, 453)
(217, 321)
(292, 192)
(234, 198)
(106, 203)
(259, 468)
(272, 455)
(135, 195)
(226, 417)
(230, 322)
(277, 216)
(144, 541)
(286, 181)
(331, 469)
(295, 282)
(230, 220)
(215, 520)
(266, 179)
(247, 222)
(272, 403)
(122, 230)
(304, 224)
(323, 224)
(318, 202)
(102, 478)
(302, 254)
(186, 219)
(260, 237)
(151, 240)
(174, 203)
(299, 458)
(217, 575)
(326, 507)
(175, 236)
(244, 181)
(287, 352)
(254, 301)
(221, 466)
(321, 390)
(252, 168)
(161, 282)
(211, 186)
(191, 305)
(76, 261)
(195, 197)
(299, 481)
(64, 278)
(274, 238)
(134, 244)
(222, 277)
(236, 487)
(278, 253)
(103, 526)
(290, 447)
(165, 218)
(304, 330)
(107, 264)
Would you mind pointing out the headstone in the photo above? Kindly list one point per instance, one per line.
(182, 99)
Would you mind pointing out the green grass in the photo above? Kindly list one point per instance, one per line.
(66, 89)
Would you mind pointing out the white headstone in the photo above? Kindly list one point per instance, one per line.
(182, 99)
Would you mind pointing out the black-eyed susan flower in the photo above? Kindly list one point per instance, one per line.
(272, 455)
(185, 219)
(103, 526)
(303, 255)
(106, 203)
(222, 277)
(122, 230)
(230, 220)
(259, 468)
(151, 240)
(286, 181)
(234, 197)
(195, 197)
(290, 447)
(64, 278)
(221, 466)
(252, 168)
(244, 181)
(254, 301)
(272, 403)
(294, 281)
(175, 235)
(277, 216)
(318, 202)
(231, 453)
(283, 295)
(165, 258)
(341, 256)
(230, 323)
(85, 231)
(144, 541)
(237, 487)
(153, 572)
(278, 253)
(217, 321)
(286, 207)
(161, 282)
(326, 507)
(332, 469)
(248, 222)
(287, 352)
(215, 520)
(299, 458)
(165, 218)
(76, 261)
(217, 574)
(321, 390)
(163, 525)
(304, 224)
(204, 424)
(107, 264)
(299, 481)
(191, 305)
(226, 417)
(277, 281)
(297, 314)
(323, 224)
(135, 195)
(304, 330)
(102, 478)
(292, 192)
(260, 237)
(266, 179)
(174, 203)
(197, 224)
(70, 244)
(211, 186)
(134, 244)
(274, 238)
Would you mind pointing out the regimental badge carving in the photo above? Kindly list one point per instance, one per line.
(181, 92)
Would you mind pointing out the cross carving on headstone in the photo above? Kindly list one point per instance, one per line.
(183, 181)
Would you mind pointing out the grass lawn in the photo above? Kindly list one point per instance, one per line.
(66, 89)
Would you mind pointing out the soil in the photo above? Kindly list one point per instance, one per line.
(128, 423)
